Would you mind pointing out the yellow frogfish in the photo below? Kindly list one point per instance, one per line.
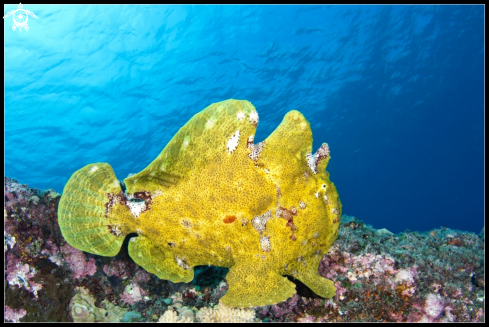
(214, 197)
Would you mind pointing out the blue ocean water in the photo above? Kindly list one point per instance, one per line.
(396, 92)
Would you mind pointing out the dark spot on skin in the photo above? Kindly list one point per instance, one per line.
(146, 196)
(293, 210)
(109, 204)
(112, 230)
(289, 216)
(249, 143)
(186, 223)
(122, 198)
(114, 199)
(322, 153)
(229, 219)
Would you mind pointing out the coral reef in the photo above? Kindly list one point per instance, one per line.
(34, 284)
(246, 220)
(431, 276)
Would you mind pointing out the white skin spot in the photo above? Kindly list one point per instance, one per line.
(316, 194)
(136, 207)
(311, 162)
(265, 243)
(94, 168)
(233, 142)
(240, 115)
(254, 117)
(181, 262)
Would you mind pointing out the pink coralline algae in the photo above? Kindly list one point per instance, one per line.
(339, 291)
(434, 306)
(21, 275)
(13, 315)
(80, 267)
(133, 293)
(141, 276)
(281, 311)
(9, 241)
(53, 253)
(117, 269)
(16, 194)
(378, 269)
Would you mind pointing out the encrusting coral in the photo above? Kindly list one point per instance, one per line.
(82, 308)
(221, 313)
(170, 316)
(213, 197)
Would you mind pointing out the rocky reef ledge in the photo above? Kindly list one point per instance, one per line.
(380, 276)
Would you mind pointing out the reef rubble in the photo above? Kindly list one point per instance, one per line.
(432, 276)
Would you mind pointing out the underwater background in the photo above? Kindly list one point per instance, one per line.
(396, 92)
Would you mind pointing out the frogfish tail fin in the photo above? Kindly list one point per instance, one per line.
(91, 210)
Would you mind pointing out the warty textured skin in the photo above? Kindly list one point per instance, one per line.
(205, 201)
